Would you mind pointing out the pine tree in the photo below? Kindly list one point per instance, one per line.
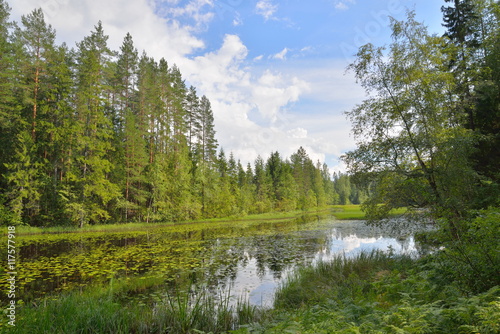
(94, 132)
(262, 187)
(9, 116)
(130, 127)
(193, 120)
(37, 40)
(177, 109)
(283, 185)
(206, 136)
(149, 102)
(125, 80)
(34, 45)
(303, 172)
(319, 186)
(331, 195)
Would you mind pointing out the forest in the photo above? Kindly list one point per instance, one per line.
(92, 136)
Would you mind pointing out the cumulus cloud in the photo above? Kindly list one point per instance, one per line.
(251, 104)
(160, 36)
(238, 95)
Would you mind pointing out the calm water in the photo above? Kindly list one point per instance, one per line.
(244, 259)
(272, 258)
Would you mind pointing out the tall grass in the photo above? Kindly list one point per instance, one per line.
(342, 278)
(105, 310)
(379, 293)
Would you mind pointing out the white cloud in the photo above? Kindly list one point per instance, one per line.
(343, 4)
(281, 55)
(239, 94)
(254, 107)
(195, 10)
(73, 20)
(266, 8)
(299, 133)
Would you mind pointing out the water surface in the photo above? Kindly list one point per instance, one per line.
(248, 259)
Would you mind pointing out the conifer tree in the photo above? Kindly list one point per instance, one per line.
(206, 136)
(94, 132)
(193, 119)
(125, 79)
(9, 116)
(262, 187)
(34, 53)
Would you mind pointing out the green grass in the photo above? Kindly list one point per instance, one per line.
(354, 212)
(106, 309)
(377, 293)
(128, 227)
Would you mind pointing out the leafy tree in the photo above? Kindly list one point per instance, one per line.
(408, 132)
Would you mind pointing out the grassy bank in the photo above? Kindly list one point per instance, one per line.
(371, 293)
(126, 227)
(342, 212)
(354, 212)
(107, 309)
(378, 293)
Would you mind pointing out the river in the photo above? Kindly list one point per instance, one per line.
(246, 259)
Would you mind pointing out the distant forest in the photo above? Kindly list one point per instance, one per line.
(91, 135)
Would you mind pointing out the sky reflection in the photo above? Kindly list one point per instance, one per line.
(336, 238)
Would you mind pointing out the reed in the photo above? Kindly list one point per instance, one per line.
(104, 309)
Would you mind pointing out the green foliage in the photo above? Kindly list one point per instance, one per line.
(101, 310)
(473, 260)
(379, 293)
(92, 136)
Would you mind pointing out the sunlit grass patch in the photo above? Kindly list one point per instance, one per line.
(354, 212)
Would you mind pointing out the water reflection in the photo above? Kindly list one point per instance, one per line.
(268, 260)
(249, 259)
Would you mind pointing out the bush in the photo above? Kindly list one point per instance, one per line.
(473, 259)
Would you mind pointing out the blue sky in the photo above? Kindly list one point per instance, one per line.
(274, 70)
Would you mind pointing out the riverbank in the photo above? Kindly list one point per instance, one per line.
(372, 293)
(378, 293)
(339, 211)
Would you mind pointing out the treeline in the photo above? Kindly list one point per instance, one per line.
(90, 135)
